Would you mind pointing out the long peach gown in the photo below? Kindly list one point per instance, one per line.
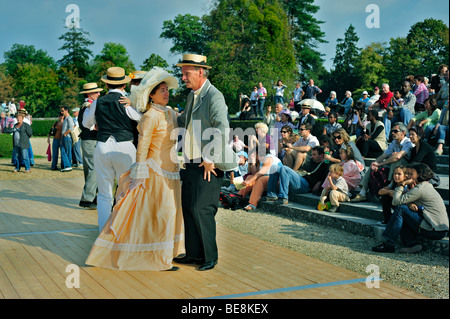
(145, 229)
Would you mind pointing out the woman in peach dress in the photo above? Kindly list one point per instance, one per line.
(145, 229)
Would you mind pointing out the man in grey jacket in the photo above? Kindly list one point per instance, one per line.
(207, 156)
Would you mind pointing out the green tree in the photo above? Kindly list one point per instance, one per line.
(343, 76)
(154, 60)
(21, 54)
(6, 85)
(117, 54)
(76, 43)
(369, 68)
(187, 34)
(429, 40)
(38, 86)
(306, 35)
(248, 43)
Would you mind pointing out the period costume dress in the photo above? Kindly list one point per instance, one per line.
(145, 230)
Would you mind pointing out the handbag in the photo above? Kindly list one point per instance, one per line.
(49, 153)
(304, 173)
(75, 134)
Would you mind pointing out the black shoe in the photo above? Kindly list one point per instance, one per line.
(174, 268)
(187, 260)
(90, 205)
(207, 265)
(384, 248)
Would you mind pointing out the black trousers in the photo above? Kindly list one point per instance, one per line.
(200, 199)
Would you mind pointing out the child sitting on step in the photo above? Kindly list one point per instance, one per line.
(336, 189)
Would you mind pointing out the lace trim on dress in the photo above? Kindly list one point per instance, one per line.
(140, 170)
(137, 247)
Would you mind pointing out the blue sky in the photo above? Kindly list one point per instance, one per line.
(137, 24)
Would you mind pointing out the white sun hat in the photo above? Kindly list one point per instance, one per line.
(140, 94)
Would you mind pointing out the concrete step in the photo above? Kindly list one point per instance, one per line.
(360, 225)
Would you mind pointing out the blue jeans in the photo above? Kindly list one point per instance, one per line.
(21, 155)
(260, 107)
(76, 153)
(289, 180)
(441, 133)
(406, 223)
(66, 151)
(56, 145)
(279, 99)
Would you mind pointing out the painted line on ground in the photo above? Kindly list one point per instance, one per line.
(296, 288)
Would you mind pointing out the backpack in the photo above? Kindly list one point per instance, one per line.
(231, 201)
(378, 180)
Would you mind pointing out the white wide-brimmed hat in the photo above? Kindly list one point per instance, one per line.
(140, 94)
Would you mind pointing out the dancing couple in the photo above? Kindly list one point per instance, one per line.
(160, 216)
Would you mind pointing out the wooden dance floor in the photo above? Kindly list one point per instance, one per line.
(45, 239)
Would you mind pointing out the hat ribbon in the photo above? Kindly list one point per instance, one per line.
(113, 78)
(194, 62)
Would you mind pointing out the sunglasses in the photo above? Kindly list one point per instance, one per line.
(337, 137)
(395, 131)
(284, 131)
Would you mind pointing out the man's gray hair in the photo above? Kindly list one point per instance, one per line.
(402, 127)
(205, 71)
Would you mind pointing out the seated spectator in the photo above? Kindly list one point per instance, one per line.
(296, 153)
(332, 125)
(384, 100)
(375, 97)
(287, 137)
(332, 102)
(422, 152)
(352, 168)
(237, 145)
(373, 142)
(256, 183)
(387, 193)
(364, 98)
(440, 130)
(285, 119)
(420, 211)
(403, 113)
(262, 138)
(442, 95)
(335, 189)
(247, 111)
(342, 139)
(292, 181)
(242, 170)
(346, 103)
(329, 146)
(307, 117)
(21, 143)
(438, 80)
(421, 93)
(271, 118)
(397, 153)
(356, 120)
(429, 116)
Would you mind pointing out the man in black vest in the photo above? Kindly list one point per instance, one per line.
(115, 152)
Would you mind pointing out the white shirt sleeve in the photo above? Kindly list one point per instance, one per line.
(89, 115)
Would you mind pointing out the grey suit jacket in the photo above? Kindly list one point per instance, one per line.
(210, 124)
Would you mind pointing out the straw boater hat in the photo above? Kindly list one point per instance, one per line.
(194, 60)
(140, 95)
(116, 75)
(306, 106)
(90, 88)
